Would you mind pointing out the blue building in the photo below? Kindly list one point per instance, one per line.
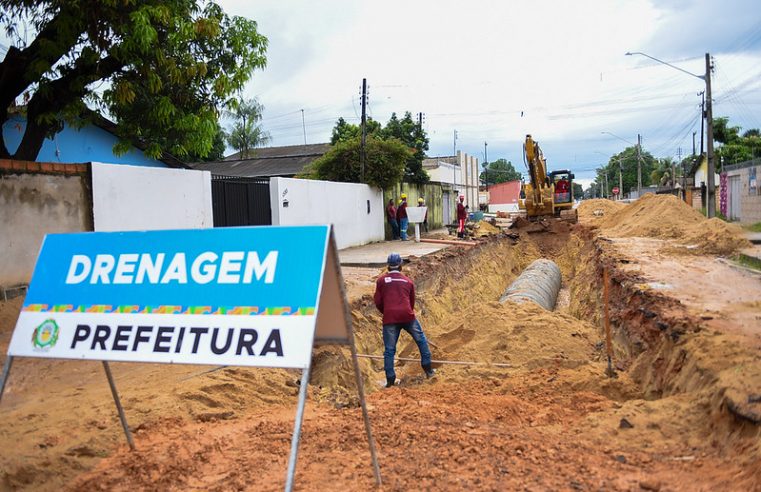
(91, 143)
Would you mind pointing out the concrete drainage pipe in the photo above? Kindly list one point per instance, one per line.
(539, 283)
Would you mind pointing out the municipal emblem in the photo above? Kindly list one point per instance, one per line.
(45, 336)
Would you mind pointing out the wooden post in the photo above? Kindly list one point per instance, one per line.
(608, 342)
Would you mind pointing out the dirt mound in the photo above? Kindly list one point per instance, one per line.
(593, 211)
(667, 217)
(486, 228)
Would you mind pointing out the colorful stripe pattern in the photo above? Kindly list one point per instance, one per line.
(227, 310)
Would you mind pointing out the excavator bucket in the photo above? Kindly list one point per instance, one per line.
(569, 215)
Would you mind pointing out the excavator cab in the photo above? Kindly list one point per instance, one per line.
(562, 182)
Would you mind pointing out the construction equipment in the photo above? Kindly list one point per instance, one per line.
(546, 195)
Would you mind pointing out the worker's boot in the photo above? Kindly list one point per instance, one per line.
(390, 382)
(429, 371)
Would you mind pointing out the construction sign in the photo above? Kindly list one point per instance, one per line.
(244, 296)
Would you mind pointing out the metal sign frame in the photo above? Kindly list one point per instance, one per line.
(332, 304)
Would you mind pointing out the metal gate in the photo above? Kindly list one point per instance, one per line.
(734, 198)
(240, 201)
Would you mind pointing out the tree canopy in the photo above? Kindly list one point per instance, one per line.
(384, 165)
(246, 133)
(499, 171)
(404, 130)
(166, 68)
(735, 146)
(628, 168)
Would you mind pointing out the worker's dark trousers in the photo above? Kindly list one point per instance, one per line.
(391, 334)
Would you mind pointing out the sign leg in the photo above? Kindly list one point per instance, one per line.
(122, 417)
(368, 430)
(297, 429)
(6, 371)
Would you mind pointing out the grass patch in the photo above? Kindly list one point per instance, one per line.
(748, 262)
(754, 227)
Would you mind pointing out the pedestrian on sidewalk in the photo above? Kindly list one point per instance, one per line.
(462, 216)
(401, 216)
(391, 217)
(421, 203)
(395, 299)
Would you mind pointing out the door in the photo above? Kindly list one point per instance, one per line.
(447, 212)
(734, 198)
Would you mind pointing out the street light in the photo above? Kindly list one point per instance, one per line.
(638, 146)
(710, 199)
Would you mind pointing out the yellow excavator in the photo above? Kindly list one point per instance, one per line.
(546, 195)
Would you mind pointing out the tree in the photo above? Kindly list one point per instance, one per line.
(344, 131)
(407, 131)
(627, 159)
(168, 67)
(499, 171)
(385, 162)
(218, 148)
(735, 147)
(404, 130)
(661, 175)
(246, 133)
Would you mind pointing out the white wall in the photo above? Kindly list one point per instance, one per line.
(344, 205)
(445, 173)
(130, 198)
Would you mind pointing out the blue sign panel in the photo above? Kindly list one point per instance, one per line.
(246, 270)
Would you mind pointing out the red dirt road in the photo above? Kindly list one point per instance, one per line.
(529, 433)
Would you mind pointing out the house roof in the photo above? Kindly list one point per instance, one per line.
(284, 151)
(435, 162)
(270, 161)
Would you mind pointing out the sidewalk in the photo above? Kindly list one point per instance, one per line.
(375, 254)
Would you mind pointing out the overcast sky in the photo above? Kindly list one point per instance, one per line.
(497, 70)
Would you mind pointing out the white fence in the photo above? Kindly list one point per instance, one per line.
(356, 210)
(134, 198)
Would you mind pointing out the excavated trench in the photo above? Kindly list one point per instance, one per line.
(667, 381)
(534, 411)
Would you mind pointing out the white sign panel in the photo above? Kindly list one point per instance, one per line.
(244, 296)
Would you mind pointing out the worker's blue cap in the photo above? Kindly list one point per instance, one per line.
(394, 260)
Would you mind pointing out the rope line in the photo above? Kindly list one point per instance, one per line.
(452, 362)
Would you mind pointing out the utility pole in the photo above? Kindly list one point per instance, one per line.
(364, 132)
(620, 179)
(702, 120)
(420, 121)
(455, 163)
(693, 143)
(711, 191)
(486, 166)
(304, 125)
(639, 166)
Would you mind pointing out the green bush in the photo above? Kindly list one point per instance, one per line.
(384, 163)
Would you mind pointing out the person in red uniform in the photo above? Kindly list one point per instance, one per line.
(391, 217)
(561, 191)
(395, 299)
(462, 216)
(401, 217)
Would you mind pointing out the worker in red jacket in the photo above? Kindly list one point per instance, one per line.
(395, 299)
(462, 216)
(401, 217)
(391, 217)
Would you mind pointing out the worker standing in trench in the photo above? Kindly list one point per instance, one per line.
(462, 216)
(395, 299)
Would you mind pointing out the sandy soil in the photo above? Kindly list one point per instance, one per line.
(727, 297)
(550, 421)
